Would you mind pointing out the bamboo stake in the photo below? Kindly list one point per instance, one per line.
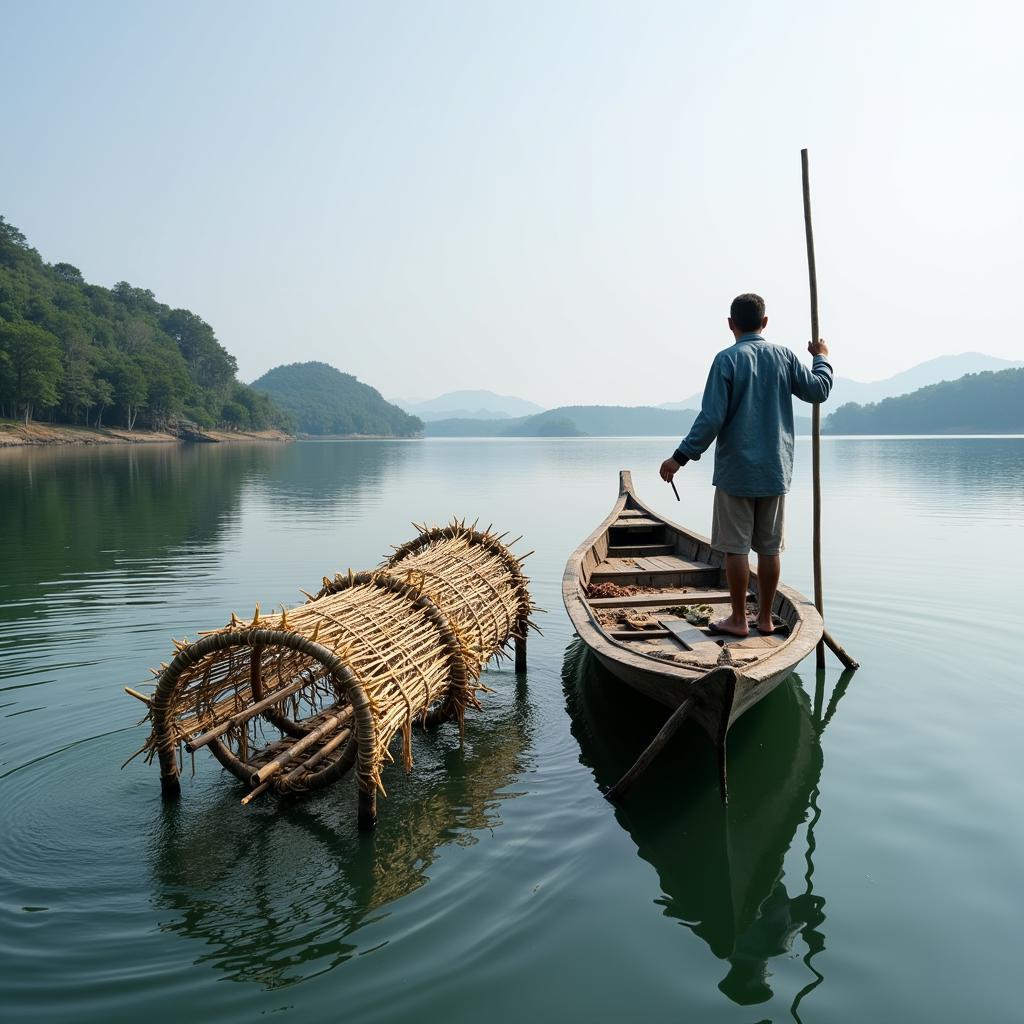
(287, 756)
(812, 276)
(319, 755)
(243, 716)
(258, 791)
(847, 660)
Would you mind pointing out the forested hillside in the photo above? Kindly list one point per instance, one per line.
(980, 403)
(73, 352)
(324, 400)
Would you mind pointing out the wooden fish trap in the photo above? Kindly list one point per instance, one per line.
(341, 675)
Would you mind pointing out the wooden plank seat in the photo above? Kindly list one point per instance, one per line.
(633, 523)
(754, 642)
(632, 550)
(647, 570)
(665, 597)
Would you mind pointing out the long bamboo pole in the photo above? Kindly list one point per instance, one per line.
(812, 276)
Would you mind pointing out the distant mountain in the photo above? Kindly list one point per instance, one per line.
(934, 371)
(469, 405)
(325, 401)
(583, 420)
(610, 421)
(573, 421)
(461, 427)
(931, 372)
(978, 403)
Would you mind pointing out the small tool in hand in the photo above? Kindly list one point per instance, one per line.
(674, 491)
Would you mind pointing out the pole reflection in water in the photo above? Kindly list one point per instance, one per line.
(276, 894)
(720, 868)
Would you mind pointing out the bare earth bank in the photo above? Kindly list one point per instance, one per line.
(14, 434)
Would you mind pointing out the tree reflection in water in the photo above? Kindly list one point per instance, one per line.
(720, 868)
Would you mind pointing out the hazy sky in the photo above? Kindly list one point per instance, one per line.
(552, 199)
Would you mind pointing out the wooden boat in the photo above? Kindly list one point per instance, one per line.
(661, 571)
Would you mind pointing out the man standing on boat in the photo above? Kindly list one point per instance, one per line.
(748, 408)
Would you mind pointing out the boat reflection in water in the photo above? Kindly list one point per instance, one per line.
(720, 868)
(276, 893)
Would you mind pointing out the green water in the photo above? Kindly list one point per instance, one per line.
(867, 869)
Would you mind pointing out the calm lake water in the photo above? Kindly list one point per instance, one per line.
(867, 869)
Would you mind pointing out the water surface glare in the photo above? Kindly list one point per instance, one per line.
(867, 867)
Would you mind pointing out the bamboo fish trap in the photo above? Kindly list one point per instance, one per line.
(341, 675)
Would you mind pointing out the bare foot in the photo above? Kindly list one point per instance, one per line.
(731, 626)
(765, 628)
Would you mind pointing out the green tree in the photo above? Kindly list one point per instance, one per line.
(32, 367)
(168, 383)
(130, 388)
(136, 334)
(102, 397)
(5, 370)
(14, 245)
(78, 385)
(234, 414)
(68, 272)
(209, 364)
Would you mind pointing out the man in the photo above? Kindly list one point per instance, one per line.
(748, 407)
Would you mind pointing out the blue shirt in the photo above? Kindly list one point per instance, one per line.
(748, 407)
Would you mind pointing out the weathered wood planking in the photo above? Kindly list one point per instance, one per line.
(631, 550)
(665, 597)
(692, 638)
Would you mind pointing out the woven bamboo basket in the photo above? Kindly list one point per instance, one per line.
(339, 677)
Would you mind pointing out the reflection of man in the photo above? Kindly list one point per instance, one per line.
(748, 407)
(780, 918)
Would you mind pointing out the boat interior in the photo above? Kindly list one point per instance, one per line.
(655, 589)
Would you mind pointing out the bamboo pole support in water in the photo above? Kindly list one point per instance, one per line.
(665, 733)
(812, 275)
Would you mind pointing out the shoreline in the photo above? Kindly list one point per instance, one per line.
(15, 434)
(358, 437)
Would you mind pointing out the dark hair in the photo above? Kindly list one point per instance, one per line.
(747, 311)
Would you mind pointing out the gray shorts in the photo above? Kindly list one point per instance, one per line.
(739, 524)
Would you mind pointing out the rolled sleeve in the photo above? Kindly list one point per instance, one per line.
(815, 384)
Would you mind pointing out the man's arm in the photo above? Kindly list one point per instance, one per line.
(714, 408)
(812, 385)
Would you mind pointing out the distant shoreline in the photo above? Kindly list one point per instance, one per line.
(358, 437)
(15, 434)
